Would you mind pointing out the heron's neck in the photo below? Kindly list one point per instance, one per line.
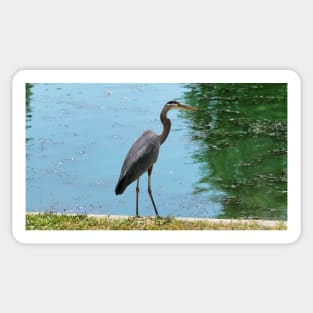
(166, 124)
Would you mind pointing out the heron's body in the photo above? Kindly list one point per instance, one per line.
(144, 153)
(141, 156)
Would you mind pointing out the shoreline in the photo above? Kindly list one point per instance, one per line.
(258, 222)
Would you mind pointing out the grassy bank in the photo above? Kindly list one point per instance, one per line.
(50, 221)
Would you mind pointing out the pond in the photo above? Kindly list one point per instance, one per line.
(226, 160)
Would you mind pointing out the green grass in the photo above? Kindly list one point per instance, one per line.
(51, 221)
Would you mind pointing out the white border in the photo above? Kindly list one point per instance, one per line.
(156, 76)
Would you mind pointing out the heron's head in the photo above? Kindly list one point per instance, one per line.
(173, 104)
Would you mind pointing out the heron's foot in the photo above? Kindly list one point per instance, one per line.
(137, 216)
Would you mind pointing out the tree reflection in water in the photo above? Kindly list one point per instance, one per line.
(242, 134)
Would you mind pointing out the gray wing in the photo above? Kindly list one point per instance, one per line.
(141, 156)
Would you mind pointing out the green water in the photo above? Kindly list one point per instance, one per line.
(241, 130)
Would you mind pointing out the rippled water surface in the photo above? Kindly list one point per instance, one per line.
(228, 159)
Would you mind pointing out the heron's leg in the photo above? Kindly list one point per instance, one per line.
(150, 191)
(137, 196)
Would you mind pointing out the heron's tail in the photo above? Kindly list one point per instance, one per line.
(121, 186)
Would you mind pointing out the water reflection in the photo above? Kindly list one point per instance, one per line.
(28, 92)
(242, 134)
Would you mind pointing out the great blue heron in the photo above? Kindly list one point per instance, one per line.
(144, 153)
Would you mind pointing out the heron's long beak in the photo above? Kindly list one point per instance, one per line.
(186, 107)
